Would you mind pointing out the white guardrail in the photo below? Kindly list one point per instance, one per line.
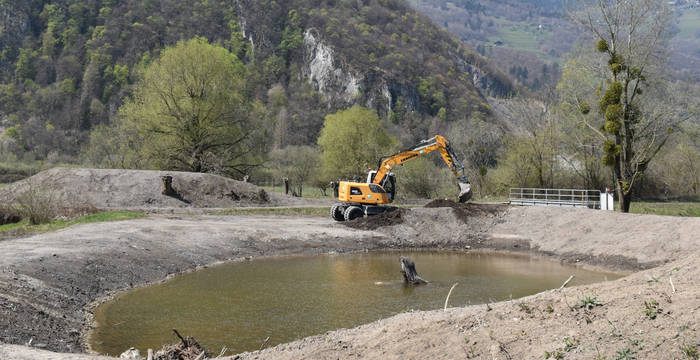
(590, 199)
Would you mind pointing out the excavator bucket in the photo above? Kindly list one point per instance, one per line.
(465, 192)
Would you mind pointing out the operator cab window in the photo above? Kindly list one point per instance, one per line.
(355, 191)
(376, 188)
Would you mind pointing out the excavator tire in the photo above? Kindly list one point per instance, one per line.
(337, 212)
(353, 212)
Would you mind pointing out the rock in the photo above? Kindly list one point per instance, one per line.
(131, 354)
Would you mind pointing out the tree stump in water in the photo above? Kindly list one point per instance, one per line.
(408, 270)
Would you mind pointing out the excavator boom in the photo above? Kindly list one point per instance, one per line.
(438, 143)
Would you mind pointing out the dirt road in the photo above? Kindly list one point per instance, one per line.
(46, 281)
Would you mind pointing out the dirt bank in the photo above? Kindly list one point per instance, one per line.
(47, 280)
(142, 189)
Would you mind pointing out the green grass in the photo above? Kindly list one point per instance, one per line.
(60, 224)
(688, 24)
(298, 211)
(680, 208)
(524, 37)
(309, 192)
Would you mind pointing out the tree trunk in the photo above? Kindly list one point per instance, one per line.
(168, 186)
(335, 185)
(408, 270)
(623, 198)
(286, 185)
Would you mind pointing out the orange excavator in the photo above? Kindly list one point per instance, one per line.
(358, 199)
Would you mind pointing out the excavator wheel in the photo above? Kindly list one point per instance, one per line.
(337, 212)
(353, 212)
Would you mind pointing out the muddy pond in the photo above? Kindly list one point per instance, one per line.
(239, 305)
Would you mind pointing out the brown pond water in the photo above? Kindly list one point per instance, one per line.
(238, 305)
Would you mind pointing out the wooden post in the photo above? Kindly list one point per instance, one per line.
(168, 186)
(335, 185)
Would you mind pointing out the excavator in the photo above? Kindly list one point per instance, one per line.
(358, 199)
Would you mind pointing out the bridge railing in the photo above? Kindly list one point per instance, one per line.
(555, 197)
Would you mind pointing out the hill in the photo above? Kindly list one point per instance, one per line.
(529, 38)
(67, 65)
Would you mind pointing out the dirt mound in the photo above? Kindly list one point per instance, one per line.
(466, 210)
(374, 222)
(109, 188)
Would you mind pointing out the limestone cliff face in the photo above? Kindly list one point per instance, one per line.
(331, 76)
(344, 85)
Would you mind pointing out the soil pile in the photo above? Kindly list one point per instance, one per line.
(464, 211)
(134, 189)
(374, 222)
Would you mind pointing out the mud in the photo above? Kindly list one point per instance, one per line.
(378, 221)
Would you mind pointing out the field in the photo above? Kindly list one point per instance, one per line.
(523, 37)
(689, 25)
(675, 208)
(60, 224)
(308, 192)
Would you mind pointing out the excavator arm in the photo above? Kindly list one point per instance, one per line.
(438, 143)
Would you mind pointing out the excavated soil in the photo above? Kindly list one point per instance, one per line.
(142, 189)
(49, 282)
(464, 211)
(375, 222)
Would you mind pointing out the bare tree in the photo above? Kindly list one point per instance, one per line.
(298, 163)
(632, 37)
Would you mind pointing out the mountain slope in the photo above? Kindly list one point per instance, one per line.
(67, 65)
(530, 38)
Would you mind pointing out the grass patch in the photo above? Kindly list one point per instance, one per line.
(309, 192)
(103, 216)
(681, 208)
(524, 37)
(298, 211)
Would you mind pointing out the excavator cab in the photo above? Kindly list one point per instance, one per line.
(388, 184)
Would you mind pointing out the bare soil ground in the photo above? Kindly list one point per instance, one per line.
(142, 189)
(49, 281)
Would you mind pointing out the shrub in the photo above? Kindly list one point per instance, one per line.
(36, 204)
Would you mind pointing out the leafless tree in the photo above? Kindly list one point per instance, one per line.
(636, 115)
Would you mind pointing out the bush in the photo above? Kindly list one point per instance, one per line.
(421, 178)
(7, 216)
(36, 204)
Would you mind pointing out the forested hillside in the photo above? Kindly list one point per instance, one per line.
(67, 65)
